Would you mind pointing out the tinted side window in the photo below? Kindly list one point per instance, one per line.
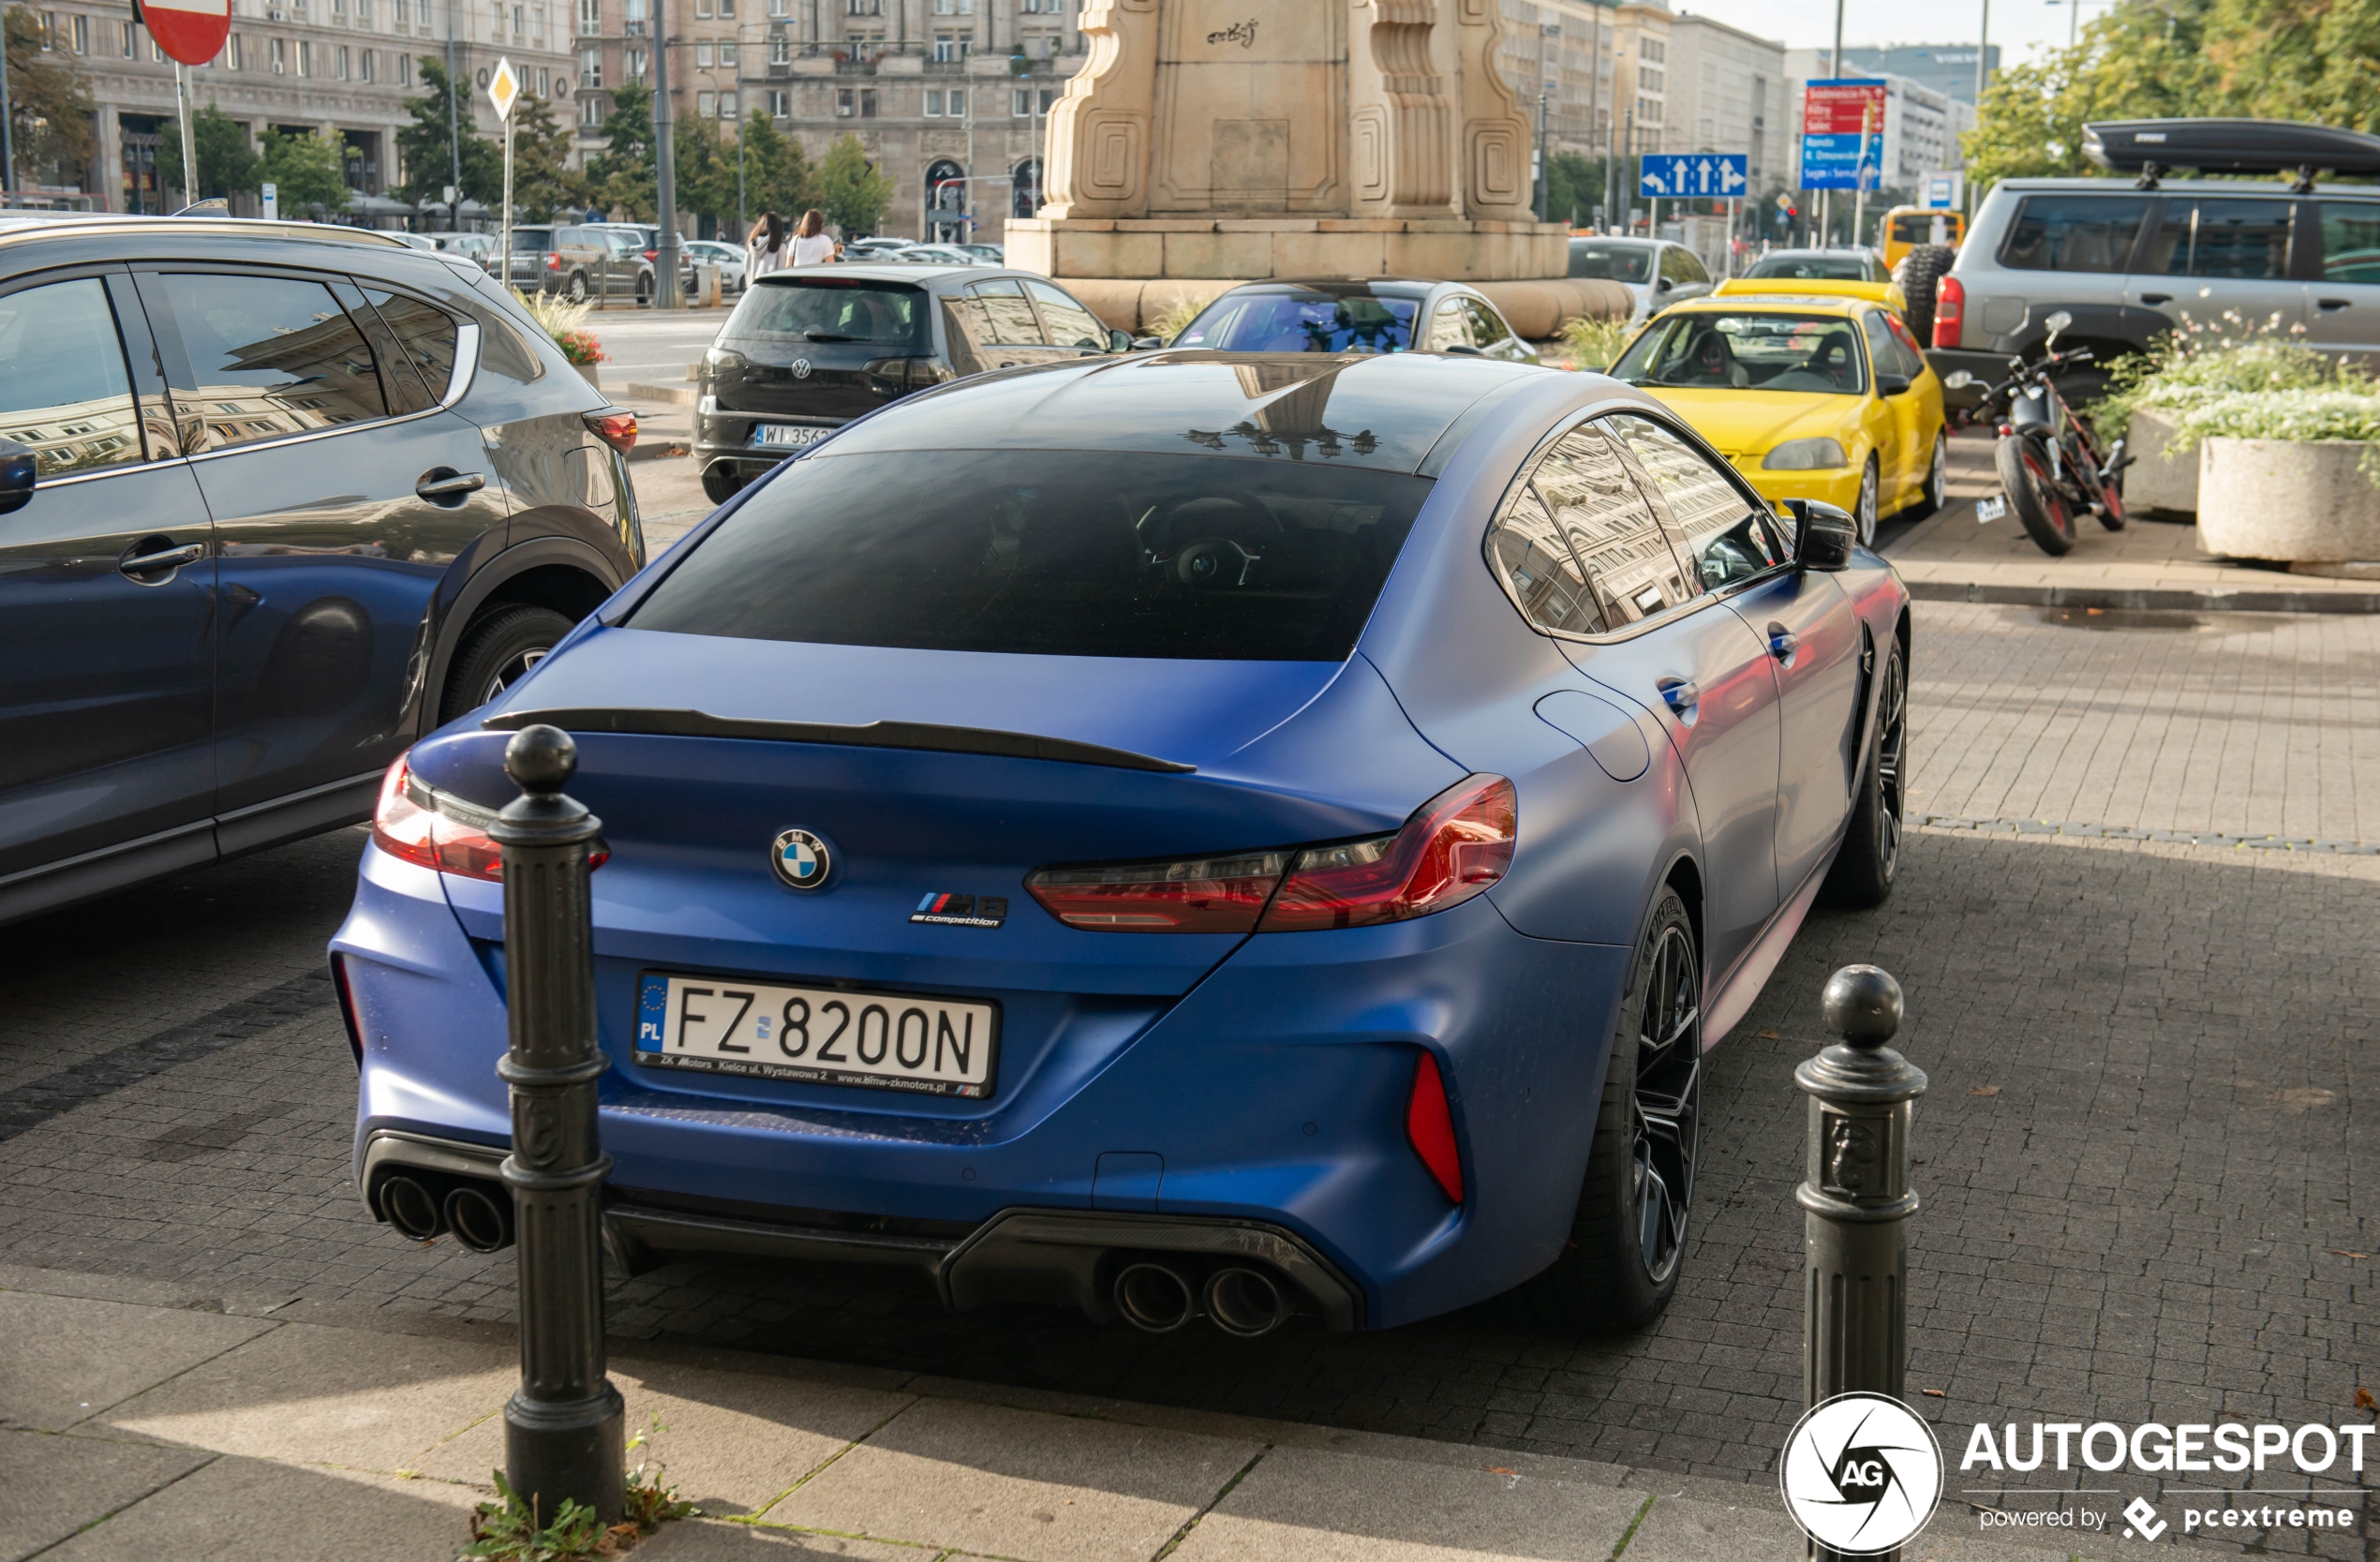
(1069, 323)
(1540, 570)
(1006, 313)
(64, 392)
(425, 333)
(1603, 516)
(1486, 330)
(2238, 239)
(2074, 232)
(2351, 241)
(271, 356)
(1725, 536)
(1883, 351)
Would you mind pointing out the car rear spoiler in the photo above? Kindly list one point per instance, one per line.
(1887, 293)
(2150, 147)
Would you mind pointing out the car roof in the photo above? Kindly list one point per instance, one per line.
(1382, 411)
(910, 273)
(1613, 238)
(1797, 303)
(25, 228)
(2115, 185)
(1342, 286)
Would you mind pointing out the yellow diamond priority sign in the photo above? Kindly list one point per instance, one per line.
(504, 89)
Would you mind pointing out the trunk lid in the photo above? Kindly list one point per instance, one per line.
(800, 349)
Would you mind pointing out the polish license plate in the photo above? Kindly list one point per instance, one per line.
(1990, 508)
(781, 436)
(817, 1036)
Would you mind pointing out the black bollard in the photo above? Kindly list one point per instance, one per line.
(562, 1427)
(1857, 1197)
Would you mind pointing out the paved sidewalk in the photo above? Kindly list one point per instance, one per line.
(1950, 557)
(138, 1421)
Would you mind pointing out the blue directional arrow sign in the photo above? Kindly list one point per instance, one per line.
(1669, 175)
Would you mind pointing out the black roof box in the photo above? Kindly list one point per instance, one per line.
(2270, 146)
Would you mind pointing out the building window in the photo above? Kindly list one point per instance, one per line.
(781, 50)
(544, 82)
(727, 10)
(780, 8)
(342, 62)
(951, 46)
(846, 102)
(339, 10)
(1021, 100)
(405, 70)
(780, 105)
(421, 12)
(704, 59)
(82, 34)
(591, 18)
(520, 22)
(131, 42)
(701, 9)
(706, 104)
(728, 102)
(371, 71)
(636, 64)
(862, 7)
(590, 112)
(958, 103)
(727, 56)
(238, 63)
(363, 13)
(590, 67)
(868, 102)
(933, 105)
(954, 8)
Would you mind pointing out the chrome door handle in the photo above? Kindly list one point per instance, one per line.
(1782, 642)
(165, 559)
(455, 485)
(1680, 694)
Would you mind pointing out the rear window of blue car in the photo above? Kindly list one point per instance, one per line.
(1052, 553)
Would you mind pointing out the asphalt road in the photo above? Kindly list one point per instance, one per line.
(2144, 1195)
(652, 347)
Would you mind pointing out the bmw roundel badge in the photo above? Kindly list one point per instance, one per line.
(801, 859)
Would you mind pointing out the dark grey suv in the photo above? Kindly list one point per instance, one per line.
(274, 499)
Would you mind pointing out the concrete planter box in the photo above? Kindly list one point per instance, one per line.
(2301, 502)
(588, 370)
(2159, 478)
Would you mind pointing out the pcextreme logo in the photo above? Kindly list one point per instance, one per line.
(1861, 1474)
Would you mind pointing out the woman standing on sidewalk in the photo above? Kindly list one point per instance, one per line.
(765, 250)
(813, 246)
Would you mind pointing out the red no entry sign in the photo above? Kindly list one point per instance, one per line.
(190, 31)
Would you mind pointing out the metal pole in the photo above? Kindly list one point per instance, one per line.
(666, 293)
(189, 152)
(507, 241)
(7, 129)
(1544, 164)
(562, 1427)
(1855, 1197)
(1982, 53)
(455, 139)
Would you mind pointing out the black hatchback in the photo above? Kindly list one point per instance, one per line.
(278, 499)
(810, 350)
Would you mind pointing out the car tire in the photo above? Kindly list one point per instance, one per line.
(1918, 272)
(578, 291)
(1864, 509)
(1938, 474)
(1870, 862)
(503, 642)
(721, 482)
(1627, 1244)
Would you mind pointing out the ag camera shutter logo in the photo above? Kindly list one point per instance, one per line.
(1861, 1474)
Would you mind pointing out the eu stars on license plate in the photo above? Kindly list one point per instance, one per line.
(817, 1036)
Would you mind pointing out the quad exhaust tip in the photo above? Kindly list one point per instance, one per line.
(1158, 1299)
(480, 1217)
(412, 1208)
(424, 1206)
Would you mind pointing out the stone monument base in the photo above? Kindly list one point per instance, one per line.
(1252, 249)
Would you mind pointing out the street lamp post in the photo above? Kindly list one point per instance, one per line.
(665, 292)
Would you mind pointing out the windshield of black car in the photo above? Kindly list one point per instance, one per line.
(1052, 553)
(881, 314)
(1613, 262)
(1303, 321)
(1812, 268)
(1753, 350)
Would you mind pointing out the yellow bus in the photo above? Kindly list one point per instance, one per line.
(1907, 227)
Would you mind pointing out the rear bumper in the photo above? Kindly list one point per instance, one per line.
(726, 436)
(1269, 1098)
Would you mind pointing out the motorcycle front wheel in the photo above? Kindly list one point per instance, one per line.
(2023, 462)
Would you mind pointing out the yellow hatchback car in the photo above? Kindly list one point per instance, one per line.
(1813, 394)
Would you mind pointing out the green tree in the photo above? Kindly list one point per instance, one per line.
(543, 182)
(49, 107)
(309, 172)
(778, 176)
(705, 174)
(227, 166)
(429, 152)
(1574, 187)
(620, 178)
(851, 190)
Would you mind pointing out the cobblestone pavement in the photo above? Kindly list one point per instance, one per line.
(2147, 1187)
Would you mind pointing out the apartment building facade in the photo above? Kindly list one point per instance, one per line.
(1726, 92)
(949, 97)
(338, 67)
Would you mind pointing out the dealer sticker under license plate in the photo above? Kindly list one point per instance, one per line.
(818, 1035)
(783, 434)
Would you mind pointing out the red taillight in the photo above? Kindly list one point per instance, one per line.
(1453, 847)
(410, 823)
(1203, 895)
(1429, 1128)
(615, 427)
(1950, 310)
(652, 255)
(553, 262)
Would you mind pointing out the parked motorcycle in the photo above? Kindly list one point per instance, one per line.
(2050, 467)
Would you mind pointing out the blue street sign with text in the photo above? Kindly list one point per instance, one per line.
(1841, 161)
(1668, 175)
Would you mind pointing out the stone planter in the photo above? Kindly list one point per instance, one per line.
(2158, 479)
(588, 371)
(2300, 501)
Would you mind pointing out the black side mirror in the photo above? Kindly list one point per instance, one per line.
(17, 472)
(1147, 344)
(1119, 341)
(1892, 384)
(1824, 535)
(1466, 349)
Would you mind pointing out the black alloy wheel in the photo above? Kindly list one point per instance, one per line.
(1628, 1239)
(1938, 474)
(496, 651)
(1870, 863)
